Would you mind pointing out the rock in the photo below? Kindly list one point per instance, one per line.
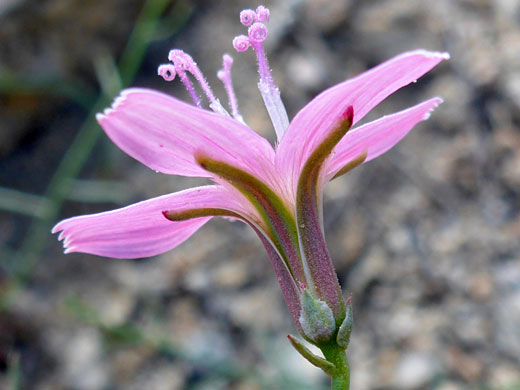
(414, 370)
(464, 364)
(449, 386)
(507, 316)
(327, 14)
(160, 376)
(481, 286)
(505, 376)
(305, 70)
(231, 274)
(257, 308)
(84, 368)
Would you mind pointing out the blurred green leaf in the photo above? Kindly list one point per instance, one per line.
(14, 372)
(79, 151)
(13, 84)
(175, 19)
(23, 203)
(99, 191)
(107, 74)
(142, 34)
(124, 335)
(79, 309)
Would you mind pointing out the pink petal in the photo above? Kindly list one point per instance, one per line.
(141, 230)
(313, 122)
(164, 133)
(378, 136)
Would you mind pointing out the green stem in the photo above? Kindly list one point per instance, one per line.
(337, 355)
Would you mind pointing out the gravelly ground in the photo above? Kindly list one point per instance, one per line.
(425, 237)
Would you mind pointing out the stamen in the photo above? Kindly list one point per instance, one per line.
(262, 14)
(184, 61)
(257, 33)
(168, 73)
(247, 17)
(225, 76)
(241, 43)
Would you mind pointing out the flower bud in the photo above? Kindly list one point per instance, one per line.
(316, 318)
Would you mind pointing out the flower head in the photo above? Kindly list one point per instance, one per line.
(277, 191)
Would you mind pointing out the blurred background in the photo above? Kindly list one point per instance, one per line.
(425, 237)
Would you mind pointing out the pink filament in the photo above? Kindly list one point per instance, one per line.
(169, 71)
(257, 33)
(184, 63)
(225, 76)
(189, 86)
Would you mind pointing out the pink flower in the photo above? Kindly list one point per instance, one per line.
(277, 191)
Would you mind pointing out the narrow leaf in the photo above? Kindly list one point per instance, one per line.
(315, 360)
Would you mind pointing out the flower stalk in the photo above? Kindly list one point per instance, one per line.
(340, 378)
